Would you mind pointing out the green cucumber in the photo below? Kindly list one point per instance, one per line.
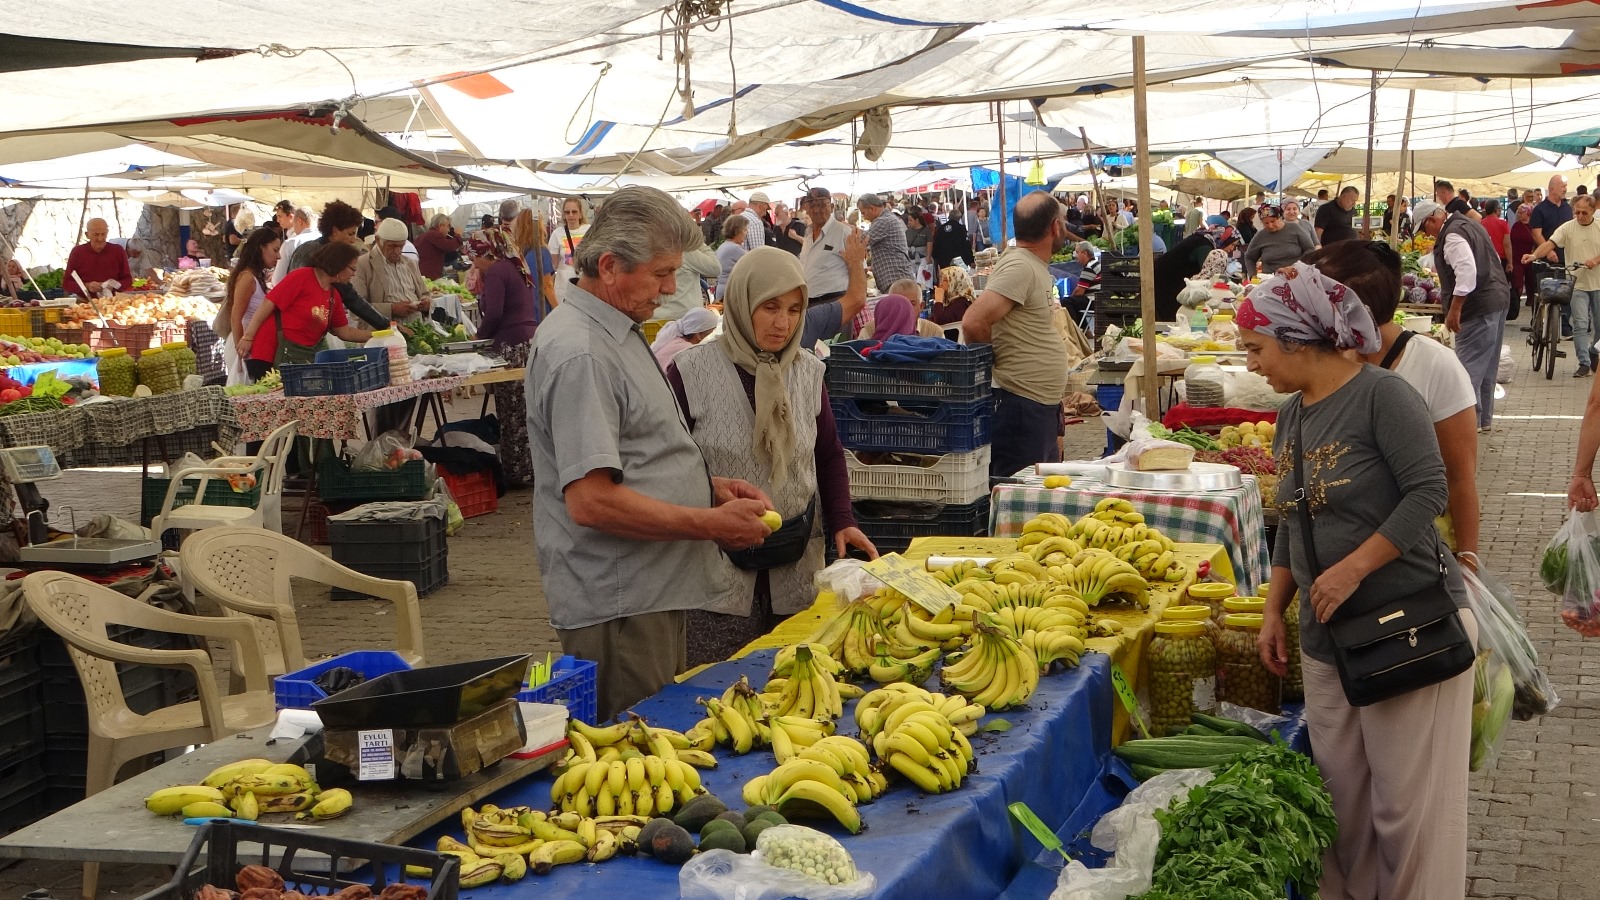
(1230, 726)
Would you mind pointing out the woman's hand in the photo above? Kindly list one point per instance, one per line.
(243, 344)
(1332, 588)
(1272, 643)
(852, 537)
(1580, 494)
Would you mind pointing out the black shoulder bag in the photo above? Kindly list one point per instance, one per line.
(1386, 649)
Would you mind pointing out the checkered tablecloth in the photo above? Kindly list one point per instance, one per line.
(122, 431)
(1231, 518)
(337, 417)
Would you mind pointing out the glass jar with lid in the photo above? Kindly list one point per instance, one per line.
(1211, 594)
(1222, 329)
(1241, 605)
(1242, 678)
(117, 373)
(1202, 382)
(1193, 613)
(1183, 676)
(158, 370)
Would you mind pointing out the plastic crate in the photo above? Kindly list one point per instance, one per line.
(309, 863)
(298, 690)
(954, 375)
(136, 338)
(335, 481)
(1120, 265)
(936, 428)
(22, 789)
(153, 492)
(337, 372)
(474, 492)
(892, 526)
(571, 684)
(358, 544)
(16, 323)
(951, 478)
(428, 575)
(22, 712)
(67, 713)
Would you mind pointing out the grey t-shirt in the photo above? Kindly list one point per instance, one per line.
(1277, 249)
(1373, 467)
(823, 321)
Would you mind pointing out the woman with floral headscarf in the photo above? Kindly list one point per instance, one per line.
(506, 305)
(1375, 480)
(952, 297)
(755, 403)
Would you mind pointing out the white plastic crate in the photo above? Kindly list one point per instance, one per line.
(951, 478)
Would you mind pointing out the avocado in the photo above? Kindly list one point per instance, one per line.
(697, 812)
(716, 825)
(754, 829)
(774, 817)
(723, 839)
(756, 810)
(730, 816)
(649, 831)
(671, 844)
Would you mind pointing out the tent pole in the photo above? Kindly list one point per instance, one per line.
(1405, 149)
(1372, 123)
(1094, 180)
(83, 214)
(1151, 389)
(1000, 125)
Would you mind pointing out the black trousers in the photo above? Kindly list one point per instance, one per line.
(1025, 432)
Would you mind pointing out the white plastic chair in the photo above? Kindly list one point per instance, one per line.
(268, 467)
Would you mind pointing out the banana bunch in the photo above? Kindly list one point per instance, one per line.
(995, 670)
(1050, 550)
(1096, 575)
(809, 692)
(979, 598)
(963, 570)
(505, 844)
(826, 782)
(791, 734)
(783, 663)
(1054, 635)
(834, 631)
(878, 706)
(607, 744)
(738, 723)
(921, 743)
(247, 789)
(912, 630)
(632, 783)
(887, 670)
(1018, 568)
(1046, 524)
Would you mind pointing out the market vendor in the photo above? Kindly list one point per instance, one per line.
(97, 262)
(1175, 268)
(304, 309)
(389, 280)
(508, 305)
(1276, 245)
(627, 519)
(340, 223)
(437, 247)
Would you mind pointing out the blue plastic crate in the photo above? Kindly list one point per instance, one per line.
(297, 690)
(955, 376)
(338, 372)
(935, 428)
(571, 684)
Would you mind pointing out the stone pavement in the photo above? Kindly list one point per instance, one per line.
(1533, 818)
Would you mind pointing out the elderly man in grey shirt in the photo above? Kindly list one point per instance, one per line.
(627, 519)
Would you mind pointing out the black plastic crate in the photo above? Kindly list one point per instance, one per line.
(892, 525)
(19, 656)
(309, 863)
(955, 375)
(336, 481)
(22, 711)
(357, 544)
(21, 791)
(67, 713)
(1119, 284)
(922, 427)
(1120, 265)
(428, 575)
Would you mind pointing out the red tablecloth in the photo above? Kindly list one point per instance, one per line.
(1198, 417)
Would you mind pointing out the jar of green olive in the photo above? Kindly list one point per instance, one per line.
(1211, 594)
(1194, 613)
(1241, 605)
(1183, 676)
(1242, 678)
(1294, 685)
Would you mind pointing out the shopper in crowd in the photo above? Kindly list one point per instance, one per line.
(1580, 489)
(507, 305)
(1293, 219)
(919, 239)
(755, 212)
(699, 271)
(1551, 212)
(565, 238)
(303, 310)
(283, 217)
(300, 233)
(1277, 245)
(389, 280)
(732, 248)
(1194, 219)
(529, 238)
(677, 336)
(1499, 235)
(1444, 194)
(832, 256)
(1471, 277)
(1247, 224)
(886, 242)
(1372, 270)
(1579, 241)
(953, 297)
(247, 287)
(711, 225)
(625, 514)
(96, 262)
(1396, 769)
(1522, 280)
(1016, 313)
(895, 314)
(756, 406)
(950, 243)
(340, 223)
(787, 232)
(1088, 286)
(1333, 222)
(237, 228)
(437, 247)
(1314, 205)
(1176, 267)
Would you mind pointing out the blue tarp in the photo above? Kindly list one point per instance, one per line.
(989, 179)
(961, 844)
(29, 373)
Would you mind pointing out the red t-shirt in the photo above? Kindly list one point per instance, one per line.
(110, 263)
(1498, 229)
(308, 311)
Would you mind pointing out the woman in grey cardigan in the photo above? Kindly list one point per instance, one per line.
(1397, 770)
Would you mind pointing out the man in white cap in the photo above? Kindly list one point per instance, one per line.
(756, 235)
(1474, 281)
(390, 280)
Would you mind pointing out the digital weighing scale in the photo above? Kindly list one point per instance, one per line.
(25, 467)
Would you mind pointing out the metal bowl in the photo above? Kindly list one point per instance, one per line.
(1198, 477)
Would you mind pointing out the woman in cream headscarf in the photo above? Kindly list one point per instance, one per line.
(755, 403)
(952, 297)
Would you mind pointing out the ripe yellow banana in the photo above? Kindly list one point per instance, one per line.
(282, 803)
(332, 803)
(171, 801)
(811, 799)
(555, 853)
(224, 774)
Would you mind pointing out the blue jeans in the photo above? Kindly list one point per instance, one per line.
(1024, 432)
(1585, 313)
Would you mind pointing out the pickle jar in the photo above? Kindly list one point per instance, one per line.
(1183, 676)
(1241, 605)
(158, 370)
(187, 363)
(116, 372)
(1242, 678)
(1294, 685)
(1195, 613)
(1202, 382)
(1211, 594)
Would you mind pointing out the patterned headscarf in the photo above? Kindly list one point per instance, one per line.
(497, 242)
(1302, 306)
(1215, 266)
(957, 285)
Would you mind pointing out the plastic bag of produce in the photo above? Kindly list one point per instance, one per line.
(1500, 630)
(1131, 831)
(789, 861)
(389, 450)
(1570, 568)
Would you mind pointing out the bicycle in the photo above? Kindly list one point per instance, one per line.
(1554, 293)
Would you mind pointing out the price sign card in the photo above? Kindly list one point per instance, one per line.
(377, 755)
(913, 580)
(1119, 683)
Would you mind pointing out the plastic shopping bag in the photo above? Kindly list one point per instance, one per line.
(1501, 630)
(1570, 568)
(1133, 834)
(777, 870)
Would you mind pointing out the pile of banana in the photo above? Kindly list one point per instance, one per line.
(809, 690)
(877, 706)
(505, 844)
(920, 742)
(1115, 526)
(737, 721)
(1053, 634)
(995, 670)
(648, 773)
(823, 781)
(791, 734)
(251, 788)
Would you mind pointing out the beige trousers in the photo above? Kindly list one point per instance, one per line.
(1397, 771)
(635, 656)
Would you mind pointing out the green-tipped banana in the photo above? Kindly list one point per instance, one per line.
(206, 809)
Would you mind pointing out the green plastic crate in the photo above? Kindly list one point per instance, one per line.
(335, 481)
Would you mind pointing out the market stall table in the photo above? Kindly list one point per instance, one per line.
(118, 432)
(434, 403)
(340, 417)
(1232, 517)
(114, 827)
